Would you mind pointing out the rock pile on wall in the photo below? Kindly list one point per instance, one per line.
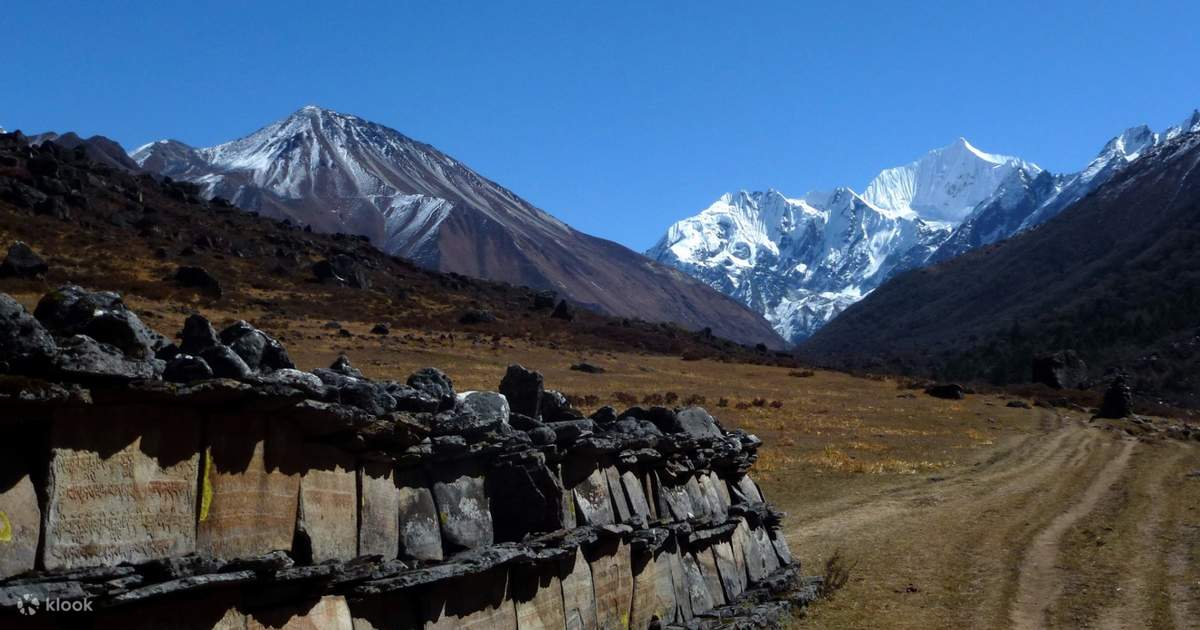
(208, 483)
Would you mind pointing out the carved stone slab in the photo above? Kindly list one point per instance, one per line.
(653, 592)
(717, 502)
(697, 500)
(462, 502)
(569, 519)
(579, 596)
(679, 584)
(216, 610)
(420, 535)
(250, 489)
(328, 511)
(747, 490)
(733, 579)
(125, 492)
(650, 483)
(537, 593)
(779, 543)
(393, 611)
(763, 541)
(636, 494)
(673, 500)
(751, 554)
(612, 575)
(328, 613)
(620, 504)
(698, 593)
(707, 561)
(592, 505)
(20, 523)
(471, 601)
(379, 524)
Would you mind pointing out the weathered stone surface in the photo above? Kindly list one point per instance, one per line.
(653, 593)
(751, 554)
(733, 579)
(123, 494)
(779, 544)
(569, 519)
(327, 613)
(579, 595)
(537, 593)
(379, 525)
(25, 344)
(20, 519)
(326, 520)
(525, 496)
(471, 601)
(462, 502)
(746, 491)
(592, 504)
(717, 503)
(420, 535)
(763, 541)
(612, 576)
(1060, 370)
(201, 611)
(635, 494)
(696, 422)
(250, 488)
(706, 559)
(680, 592)
(673, 501)
(616, 494)
(393, 611)
(523, 388)
(698, 593)
(697, 499)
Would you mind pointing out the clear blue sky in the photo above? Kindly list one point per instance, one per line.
(619, 117)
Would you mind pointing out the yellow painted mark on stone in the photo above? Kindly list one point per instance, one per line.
(443, 517)
(206, 490)
(6, 533)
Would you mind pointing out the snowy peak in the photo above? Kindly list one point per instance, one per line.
(1190, 124)
(945, 184)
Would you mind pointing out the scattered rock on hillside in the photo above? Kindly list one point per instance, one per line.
(198, 278)
(523, 388)
(380, 329)
(1018, 404)
(949, 391)
(1060, 370)
(563, 311)
(343, 270)
(22, 262)
(587, 368)
(477, 316)
(1118, 400)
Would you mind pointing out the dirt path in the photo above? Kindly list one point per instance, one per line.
(1040, 581)
(1070, 526)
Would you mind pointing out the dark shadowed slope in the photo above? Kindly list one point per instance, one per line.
(1115, 276)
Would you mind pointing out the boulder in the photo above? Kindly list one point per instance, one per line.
(476, 413)
(25, 345)
(260, 351)
(556, 408)
(342, 270)
(198, 278)
(81, 358)
(1118, 400)
(225, 363)
(380, 329)
(544, 300)
(477, 316)
(197, 335)
(587, 368)
(1060, 370)
(101, 315)
(563, 311)
(695, 422)
(523, 388)
(949, 391)
(434, 384)
(185, 368)
(22, 262)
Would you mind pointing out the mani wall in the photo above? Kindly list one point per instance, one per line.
(285, 499)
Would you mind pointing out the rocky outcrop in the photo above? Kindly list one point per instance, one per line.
(1060, 370)
(327, 499)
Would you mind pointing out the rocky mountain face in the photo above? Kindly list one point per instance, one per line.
(340, 173)
(1113, 277)
(802, 261)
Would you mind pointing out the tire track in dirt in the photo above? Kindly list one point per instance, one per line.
(1039, 581)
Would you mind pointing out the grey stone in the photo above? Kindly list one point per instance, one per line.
(592, 503)
(696, 422)
(1060, 370)
(25, 344)
(706, 559)
(185, 368)
(579, 595)
(326, 518)
(81, 358)
(700, 597)
(612, 577)
(555, 407)
(420, 535)
(379, 526)
(20, 517)
(523, 389)
(471, 601)
(226, 363)
(536, 590)
(330, 612)
(22, 262)
(436, 385)
(461, 497)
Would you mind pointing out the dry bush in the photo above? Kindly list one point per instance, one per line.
(625, 398)
(722, 402)
(759, 402)
(836, 574)
(584, 401)
(776, 404)
(671, 398)
(742, 405)
(696, 399)
(653, 399)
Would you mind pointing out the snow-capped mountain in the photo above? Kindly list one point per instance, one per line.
(340, 173)
(800, 262)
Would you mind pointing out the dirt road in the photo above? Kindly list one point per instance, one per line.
(1068, 527)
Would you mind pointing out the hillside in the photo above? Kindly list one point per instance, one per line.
(1115, 277)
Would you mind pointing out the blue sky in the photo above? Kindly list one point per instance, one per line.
(619, 117)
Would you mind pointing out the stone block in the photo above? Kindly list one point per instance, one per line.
(379, 516)
(779, 544)
(537, 593)
(733, 578)
(592, 504)
(420, 534)
(327, 517)
(635, 494)
(707, 561)
(653, 590)
(673, 501)
(216, 610)
(462, 502)
(20, 515)
(250, 488)
(327, 613)
(746, 491)
(697, 499)
(718, 506)
(699, 595)
(616, 493)
(471, 601)
(569, 520)
(612, 576)
(122, 487)
(650, 483)
(579, 595)
(751, 554)
(762, 540)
